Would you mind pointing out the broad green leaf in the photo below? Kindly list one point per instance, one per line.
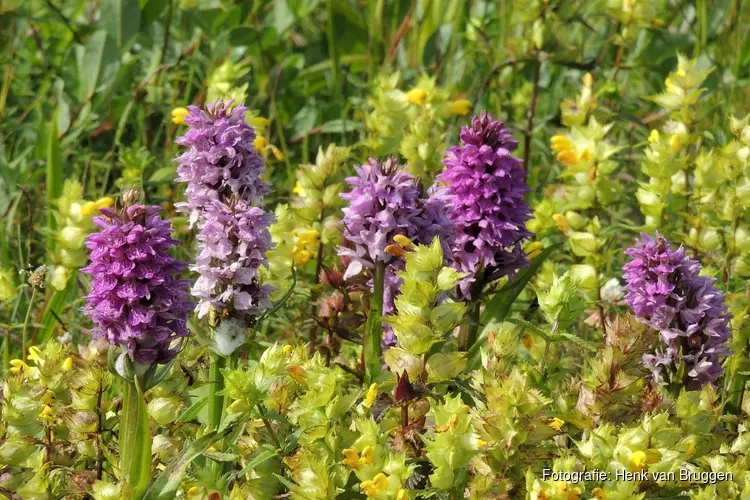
(121, 19)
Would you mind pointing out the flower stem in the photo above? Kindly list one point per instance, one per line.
(467, 335)
(215, 399)
(135, 440)
(25, 335)
(373, 329)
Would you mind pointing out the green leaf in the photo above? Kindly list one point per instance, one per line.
(529, 326)
(283, 17)
(121, 19)
(168, 480)
(499, 306)
(54, 182)
(152, 11)
(339, 126)
(135, 441)
(193, 411)
(98, 62)
(562, 336)
(252, 464)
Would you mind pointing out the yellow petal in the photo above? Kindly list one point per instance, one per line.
(416, 96)
(561, 143)
(259, 121)
(654, 137)
(67, 364)
(302, 257)
(395, 250)
(459, 107)
(588, 80)
(561, 222)
(404, 242)
(259, 143)
(367, 456)
(351, 458)
(46, 413)
(534, 248)
(178, 115)
(675, 143)
(372, 393)
(277, 153)
(567, 157)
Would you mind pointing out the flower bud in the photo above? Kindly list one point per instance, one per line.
(165, 410)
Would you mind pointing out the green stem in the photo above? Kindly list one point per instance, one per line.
(373, 329)
(25, 335)
(215, 399)
(467, 335)
(135, 441)
(216, 385)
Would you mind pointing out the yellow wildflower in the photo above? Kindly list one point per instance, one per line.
(637, 461)
(556, 423)
(452, 422)
(372, 393)
(561, 143)
(395, 250)
(416, 96)
(588, 80)
(367, 455)
(35, 355)
(561, 222)
(534, 248)
(277, 153)
(599, 494)
(351, 458)
(376, 486)
(403, 242)
(691, 448)
(302, 257)
(67, 364)
(48, 397)
(92, 207)
(298, 189)
(402, 494)
(567, 157)
(308, 237)
(297, 373)
(459, 107)
(654, 137)
(675, 143)
(179, 114)
(46, 413)
(259, 121)
(259, 143)
(287, 349)
(18, 366)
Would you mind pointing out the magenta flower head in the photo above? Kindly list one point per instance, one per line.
(136, 298)
(224, 197)
(384, 202)
(485, 185)
(666, 292)
(220, 162)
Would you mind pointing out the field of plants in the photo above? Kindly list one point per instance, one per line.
(374, 249)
